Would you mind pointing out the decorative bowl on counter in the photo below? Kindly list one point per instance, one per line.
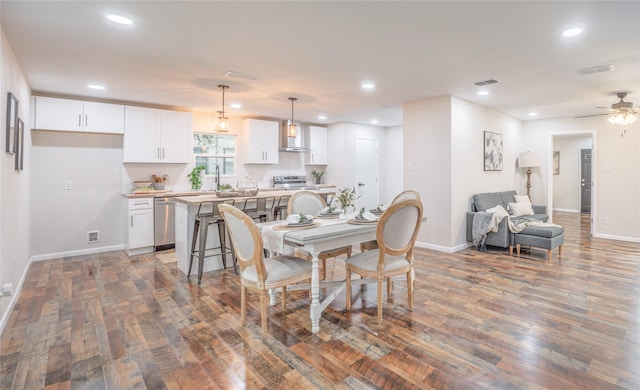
(249, 191)
(228, 194)
(141, 184)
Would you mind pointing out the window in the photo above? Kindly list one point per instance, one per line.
(213, 150)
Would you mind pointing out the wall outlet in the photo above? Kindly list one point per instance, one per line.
(605, 220)
(68, 185)
(7, 290)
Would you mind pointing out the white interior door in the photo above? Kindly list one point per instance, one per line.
(367, 173)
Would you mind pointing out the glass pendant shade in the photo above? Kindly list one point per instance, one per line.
(622, 118)
(222, 125)
(292, 129)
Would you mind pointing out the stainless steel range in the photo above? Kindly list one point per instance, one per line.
(293, 183)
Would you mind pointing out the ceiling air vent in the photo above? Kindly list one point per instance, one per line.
(595, 69)
(486, 82)
(241, 75)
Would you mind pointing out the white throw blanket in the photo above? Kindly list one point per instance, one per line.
(518, 224)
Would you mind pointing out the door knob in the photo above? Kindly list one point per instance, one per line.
(360, 184)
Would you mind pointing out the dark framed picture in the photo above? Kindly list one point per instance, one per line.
(12, 123)
(19, 145)
(492, 151)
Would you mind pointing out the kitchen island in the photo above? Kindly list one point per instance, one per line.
(185, 213)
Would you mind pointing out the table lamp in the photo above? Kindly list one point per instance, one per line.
(528, 160)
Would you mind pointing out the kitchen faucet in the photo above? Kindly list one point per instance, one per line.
(217, 177)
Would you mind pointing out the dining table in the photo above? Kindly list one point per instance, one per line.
(324, 234)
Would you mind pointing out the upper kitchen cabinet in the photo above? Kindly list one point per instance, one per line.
(315, 138)
(157, 136)
(261, 140)
(77, 115)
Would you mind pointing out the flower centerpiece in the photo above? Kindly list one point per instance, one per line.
(318, 176)
(347, 197)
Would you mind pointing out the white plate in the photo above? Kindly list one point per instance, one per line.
(305, 223)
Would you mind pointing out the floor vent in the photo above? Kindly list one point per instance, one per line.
(486, 82)
(93, 236)
(595, 69)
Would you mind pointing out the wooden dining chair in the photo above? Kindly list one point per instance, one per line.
(396, 235)
(307, 202)
(404, 195)
(258, 273)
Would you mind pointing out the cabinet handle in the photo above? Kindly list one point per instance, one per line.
(86, 120)
(131, 221)
(158, 152)
(313, 158)
(79, 120)
(266, 156)
(163, 153)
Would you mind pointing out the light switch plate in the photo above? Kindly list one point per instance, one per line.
(68, 185)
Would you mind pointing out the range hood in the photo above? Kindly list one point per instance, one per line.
(291, 144)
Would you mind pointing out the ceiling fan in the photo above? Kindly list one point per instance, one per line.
(622, 113)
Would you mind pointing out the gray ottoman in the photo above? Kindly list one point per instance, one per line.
(546, 237)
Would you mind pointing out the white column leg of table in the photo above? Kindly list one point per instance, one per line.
(315, 310)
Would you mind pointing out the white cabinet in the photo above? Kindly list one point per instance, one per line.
(140, 226)
(153, 135)
(315, 138)
(77, 115)
(261, 140)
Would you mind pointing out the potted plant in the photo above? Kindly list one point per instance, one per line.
(195, 179)
(318, 176)
(347, 197)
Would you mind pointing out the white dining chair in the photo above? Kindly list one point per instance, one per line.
(310, 203)
(396, 235)
(257, 272)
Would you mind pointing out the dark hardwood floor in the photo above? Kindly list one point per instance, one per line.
(481, 321)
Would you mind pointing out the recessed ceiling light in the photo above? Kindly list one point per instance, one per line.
(119, 19)
(368, 85)
(533, 114)
(572, 32)
(235, 105)
(96, 87)
(374, 121)
(483, 93)
(322, 117)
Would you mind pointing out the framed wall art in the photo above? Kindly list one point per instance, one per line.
(19, 145)
(556, 163)
(492, 151)
(12, 123)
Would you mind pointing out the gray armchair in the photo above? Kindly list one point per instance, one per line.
(484, 201)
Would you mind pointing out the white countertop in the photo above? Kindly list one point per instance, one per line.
(163, 193)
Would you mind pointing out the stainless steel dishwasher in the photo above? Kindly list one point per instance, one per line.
(164, 223)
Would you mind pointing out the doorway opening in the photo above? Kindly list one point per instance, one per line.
(571, 181)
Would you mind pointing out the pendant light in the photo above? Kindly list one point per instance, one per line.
(292, 129)
(222, 125)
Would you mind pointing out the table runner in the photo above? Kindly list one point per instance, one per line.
(273, 239)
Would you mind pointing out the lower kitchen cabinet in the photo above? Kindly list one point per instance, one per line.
(140, 226)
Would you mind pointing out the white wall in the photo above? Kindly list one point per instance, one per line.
(616, 170)
(444, 160)
(14, 186)
(566, 185)
(393, 156)
(62, 218)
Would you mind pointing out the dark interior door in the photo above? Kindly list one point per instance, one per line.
(585, 180)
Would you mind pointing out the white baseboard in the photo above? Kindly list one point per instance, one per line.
(572, 211)
(618, 238)
(441, 248)
(49, 256)
(14, 297)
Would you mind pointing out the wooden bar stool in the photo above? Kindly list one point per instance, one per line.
(206, 216)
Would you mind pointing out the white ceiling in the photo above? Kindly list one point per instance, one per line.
(177, 53)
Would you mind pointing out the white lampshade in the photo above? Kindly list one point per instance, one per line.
(528, 160)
